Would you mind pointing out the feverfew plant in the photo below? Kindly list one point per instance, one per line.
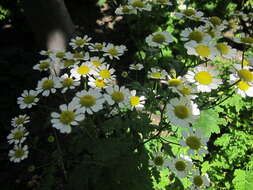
(106, 120)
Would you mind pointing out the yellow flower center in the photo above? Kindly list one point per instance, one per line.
(83, 70)
(245, 75)
(215, 20)
(196, 36)
(99, 46)
(245, 62)
(78, 55)
(158, 160)
(203, 77)
(174, 82)
(185, 90)
(87, 101)
(198, 181)
(18, 135)
(96, 63)
(158, 38)
(67, 82)
(203, 50)
(19, 153)
(118, 96)
(182, 111)
(80, 42)
(68, 63)
(20, 120)
(125, 9)
(222, 48)
(100, 83)
(162, 1)
(67, 117)
(180, 165)
(156, 75)
(189, 12)
(193, 142)
(243, 85)
(29, 99)
(105, 74)
(248, 40)
(60, 54)
(138, 4)
(134, 100)
(48, 84)
(113, 51)
(44, 65)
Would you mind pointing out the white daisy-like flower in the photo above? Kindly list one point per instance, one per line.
(97, 62)
(57, 55)
(81, 56)
(244, 39)
(157, 73)
(89, 101)
(17, 135)
(173, 82)
(242, 87)
(136, 102)
(97, 47)
(113, 51)
(79, 42)
(225, 50)
(195, 141)
(199, 182)
(159, 160)
(197, 35)
(48, 85)
(244, 73)
(43, 65)
(216, 22)
(140, 5)
(182, 111)
(68, 83)
(46, 52)
(18, 153)
(69, 116)
(69, 63)
(118, 95)
(187, 91)
(203, 50)
(28, 99)
(125, 10)
(20, 120)
(190, 13)
(181, 165)
(215, 33)
(162, 2)
(159, 39)
(136, 67)
(85, 69)
(99, 83)
(205, 78)
(105, 72)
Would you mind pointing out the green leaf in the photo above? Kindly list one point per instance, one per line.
(243, 180)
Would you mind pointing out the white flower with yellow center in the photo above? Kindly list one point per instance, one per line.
(118, 95)
(225, 50)
(215, 33)
(140, 5)
(187, 91)
(57, 55)
(203, 50)
(159, 39)
(172, 82)
(83, 70)
(43, 65)
(242, 87)
(69, 63)
(69, 116)
(79, 56)
(136, 102)
(105, 72)
(17, 135)
(18, 153)
(97, 47)
(113, 51)
(68, 83)
(162, 2)
(244, 73)
(47, 85)
(244, 39)
(190, 13)
(79, 42)
(89, 101)
(205, 78)
(181, 165)
(159, 160)
(157, 73)
(96, 61)
(99, 83)
(197, 35)
(46, 52)
(216, 22)
(28, 99)
(199, 182)
(182, 112)
(136, 67)
(20, 120)
(125, 10)
(194, 141)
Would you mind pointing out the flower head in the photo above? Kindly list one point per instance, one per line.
(17, 135)
(20, 120)
(158, 39)
(79, 42)
(181, 165)
(28, 99)
(47, 85)
(18, 153)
